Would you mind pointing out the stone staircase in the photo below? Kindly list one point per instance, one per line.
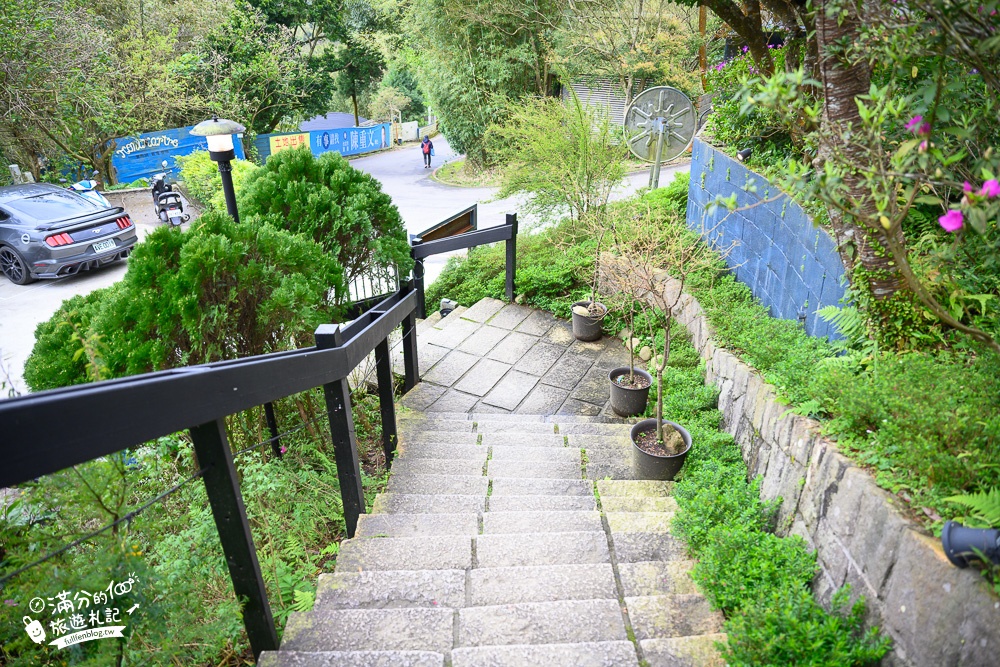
(507, 541)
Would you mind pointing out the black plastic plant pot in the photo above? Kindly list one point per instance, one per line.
(626, 401)
(964, 545)
(588, 328)
(651, 466)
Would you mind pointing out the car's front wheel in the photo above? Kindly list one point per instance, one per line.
(14, 267)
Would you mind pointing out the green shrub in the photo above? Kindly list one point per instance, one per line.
(673, 197)
(201, 181)
(337, 206)
(58, 358)
(219, 290)
(790, 628)
(741, 565)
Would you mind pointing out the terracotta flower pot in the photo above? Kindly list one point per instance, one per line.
(627, 401)
(651, 466)
(588, 328)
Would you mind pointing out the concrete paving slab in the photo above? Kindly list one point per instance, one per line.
(422, 436)
(482, 377)
(452, 335)
(511, 390)
(483, 310)
(624, 504)
(573, 406)
(635, 488)
(561, 333)
(449, 370)
(509, 316)
(512, 348)
(537, 323)
(422, 396)
(452, 401)
(435, 450)
(539, 359)
(543, 399)
(483, 340)
(523, 440)
(568, 371)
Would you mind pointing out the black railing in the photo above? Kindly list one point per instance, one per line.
(197, 399)
(42, 432)
(422, 250)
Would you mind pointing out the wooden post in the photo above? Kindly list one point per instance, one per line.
(411, 365)
(345, 445)
(418, 281)
(272, 426)
(213, 453)
(702, 50)
(387, 406)
(511, 266)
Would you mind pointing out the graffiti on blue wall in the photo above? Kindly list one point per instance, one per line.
(142, 156)
(343, 140)
(788, 263)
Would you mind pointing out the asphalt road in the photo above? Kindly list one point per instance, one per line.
(422, 202)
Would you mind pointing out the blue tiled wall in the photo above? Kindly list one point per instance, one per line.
(790, 265)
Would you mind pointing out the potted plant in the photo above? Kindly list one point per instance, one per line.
(587, 314)
(629, 385)
(654, 256)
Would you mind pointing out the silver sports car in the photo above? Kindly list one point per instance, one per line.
(49, 232)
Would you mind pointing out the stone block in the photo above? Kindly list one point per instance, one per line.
(391, 589)
(594, 428)
(482, 377)
(415, 436)
(427, 356)
(487, 424)
(449, 370)
(639, 522)
(503, 550)
(541, 623)
(452, 335)
(438, 552)
(663, 616)
(511, 390)
(461, 485)
(370, 629)
(511, 349)
(422, 396)
(432, 450)
(937, 613)
(622, 504)
(430, 466)
(548, 521)
(543, 399)
(453, 401)
(524, 469)
(541, 583)
(404, 503)
(636, 547)
(541, 503)
(874, 545)
(582, 654)
(482, 341)
(697, 651)
(537, 323)
(539, 359)
(286, 658)
(657, 578)
(542, 440)
(634, 489)
(561, 333)
(483, 310)
(414, 525)
(515, 486)
(509, 316)
(513, 453)
(588, 349)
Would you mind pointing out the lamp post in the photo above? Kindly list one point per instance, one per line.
(219, 134)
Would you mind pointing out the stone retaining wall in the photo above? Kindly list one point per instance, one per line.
(936, 614)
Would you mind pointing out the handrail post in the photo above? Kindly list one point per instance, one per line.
(272, 426)
(511, 266)
(411, 365)
(387, 406)
(214, 455)
(418, 279)
(345, 446)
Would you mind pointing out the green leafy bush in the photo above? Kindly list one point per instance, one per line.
(742, 565)
(337, 206)
(790, 628)
(201, 181)
(58, 358)
(219, 290)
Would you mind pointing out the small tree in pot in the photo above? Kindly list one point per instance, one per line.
(587, 315)
(654, 257)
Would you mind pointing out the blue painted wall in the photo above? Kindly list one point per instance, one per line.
(344, 140)
(789, 264)
(142, 156)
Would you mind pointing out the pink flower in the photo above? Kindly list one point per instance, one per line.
(967, 187)
(285, 449)
(951, 221)
(914, 123)
(922, 148)
(991, 188)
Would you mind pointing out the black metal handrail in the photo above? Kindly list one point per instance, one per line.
(197, 399)
(421, 250)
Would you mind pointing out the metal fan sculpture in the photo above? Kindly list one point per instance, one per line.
(659, 126)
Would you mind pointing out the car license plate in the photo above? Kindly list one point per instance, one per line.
(104, 246)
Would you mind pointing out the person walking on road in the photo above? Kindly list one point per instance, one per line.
(427, 148)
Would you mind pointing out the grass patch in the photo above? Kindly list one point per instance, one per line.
(454, 173)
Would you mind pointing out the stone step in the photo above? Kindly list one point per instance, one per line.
(589, 419)
(506, 550)
(428, 450)
(594, 428)
(639, 522)
(672, 577)
(541, 583)
(511, 503)
(387, 589)
(641, 504)
(484, 309)
(414, 629)
(609, 442)
(561, 622)
(428, 322)
(412, 503)
(451, 318)
(439, 552)
(583, 654)
(422, 416)
(663, 616)
(501, 417)
(439, 437)
(428, 466)
(491, 425)
(541, 522)
(460, 485)
(351, 659)
(515, 453)
(611, 470)
(417, 525)
(634, 488)
(432, 425)
(696, 651)
(523, 440)
(526, 469)
(540, 486)
(638, 547)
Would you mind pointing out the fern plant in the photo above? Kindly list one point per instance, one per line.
(984, 507)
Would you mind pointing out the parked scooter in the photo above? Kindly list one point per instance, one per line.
(166, 202)
(88, 190)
